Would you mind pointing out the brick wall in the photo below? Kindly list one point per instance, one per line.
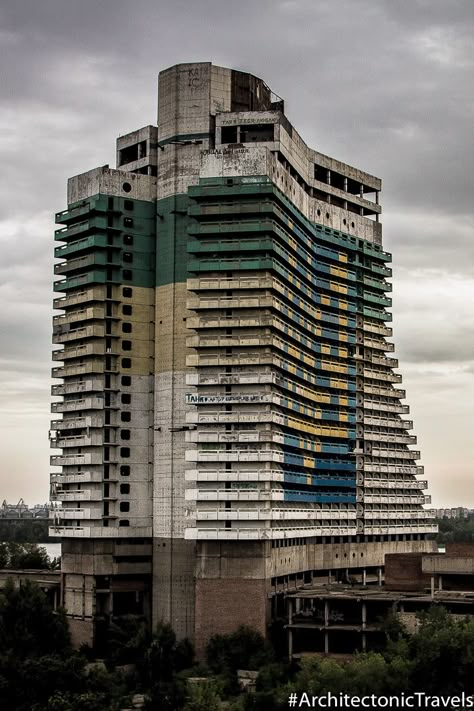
(81, 632)
(222, 605)
(403, 572)
(465, 549)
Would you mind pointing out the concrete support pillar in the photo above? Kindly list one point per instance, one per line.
(345, 184)
(432, 586)
(297, 604)
(440, 582)
(326, 613)
(328, 177)
(290, 645)
(364, 641)
(364, 577)
(326, 642)
(361, 191)
(329, 577)
(379, 573)
(290, 611)
(364, 615)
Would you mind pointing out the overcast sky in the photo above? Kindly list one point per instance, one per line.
(381, 84)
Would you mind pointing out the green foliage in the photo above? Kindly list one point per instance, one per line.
(28, 530)
(28, 624)
(243, 649)
(443, 653)
(456, 530)
(21, 556)
(203, 696)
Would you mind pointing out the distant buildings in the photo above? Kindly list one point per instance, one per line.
(456, 512)
(22, 510)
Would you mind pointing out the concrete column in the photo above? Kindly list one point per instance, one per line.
(361, 191)
(290, 611)
(345, 184)
(379, 573)
(326, 642)
(364, 615)
(290, 645)
(440, 582)
(432, 586)
(326, 613)
(364, 641)
(329, 577)
(364, 577)
(297, 604)
(328, 177)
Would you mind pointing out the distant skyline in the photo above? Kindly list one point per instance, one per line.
(377, 84)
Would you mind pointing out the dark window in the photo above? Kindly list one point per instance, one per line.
(125, 470)
(127, 291)
(125, 416)
(128, 221)
(128, 239)
(125, 452)
(127, 274)
(126, 380)
(126, 398)
(128, 257)
(124, 522)
(124, 434)
(124, 488)
(127, 345)
(124, 506)
(256, 132)
(126, 327)
(128, 204)
(126, 362)
(229, 134)
(127, 310)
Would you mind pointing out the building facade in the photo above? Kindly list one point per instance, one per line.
(231, 422)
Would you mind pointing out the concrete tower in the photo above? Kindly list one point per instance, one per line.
(231, 425)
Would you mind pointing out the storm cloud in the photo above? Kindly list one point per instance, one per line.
(379, 84)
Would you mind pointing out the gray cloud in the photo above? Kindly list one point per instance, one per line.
(377, 83)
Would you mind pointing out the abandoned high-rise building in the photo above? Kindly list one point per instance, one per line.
(231, 422)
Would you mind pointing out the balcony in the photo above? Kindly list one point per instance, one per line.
(377, 344)
(76, 495)
(91, 367)
(89, 403)
(84, 296)
(80, 351)
(407, 499)
(221, 341)
(63, 334)
(78, 514)
(400, 515)
(77, 423)
(92, 440)
(377, 328)
(222, 360)
(217, 417)
(92, 313)
(69, 460)
(81, 245)
(73, 388)
(400, 528)
(82, 477)
(233, 495)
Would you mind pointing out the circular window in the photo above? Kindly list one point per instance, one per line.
(344, 221)
(319, 213)
(327, 215)
(352, 224)
(126, 187)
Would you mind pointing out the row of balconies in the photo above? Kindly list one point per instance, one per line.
(242, 378)
(80, 296)
(398, 438)
(82, 477)
(81, 386)
(383, 392)
(395, 453)
(388, 422)
(85, 440)
(88, 458)
(88, 349)
(380, 405)
(98, 531)
(391, 468)
(266, 533)
(403, 528)
(76, 495)
(255, 455)
(400, 515)
(383, 360)
(377, 344)
(371, 327)
(394, 499)
(257, 514)
(383, 375)
(254, 475)
(257, 301)
(91, 366)
(371, 482)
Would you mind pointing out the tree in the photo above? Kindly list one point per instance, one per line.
(243, 649)
(203, 696)
(28, 624)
